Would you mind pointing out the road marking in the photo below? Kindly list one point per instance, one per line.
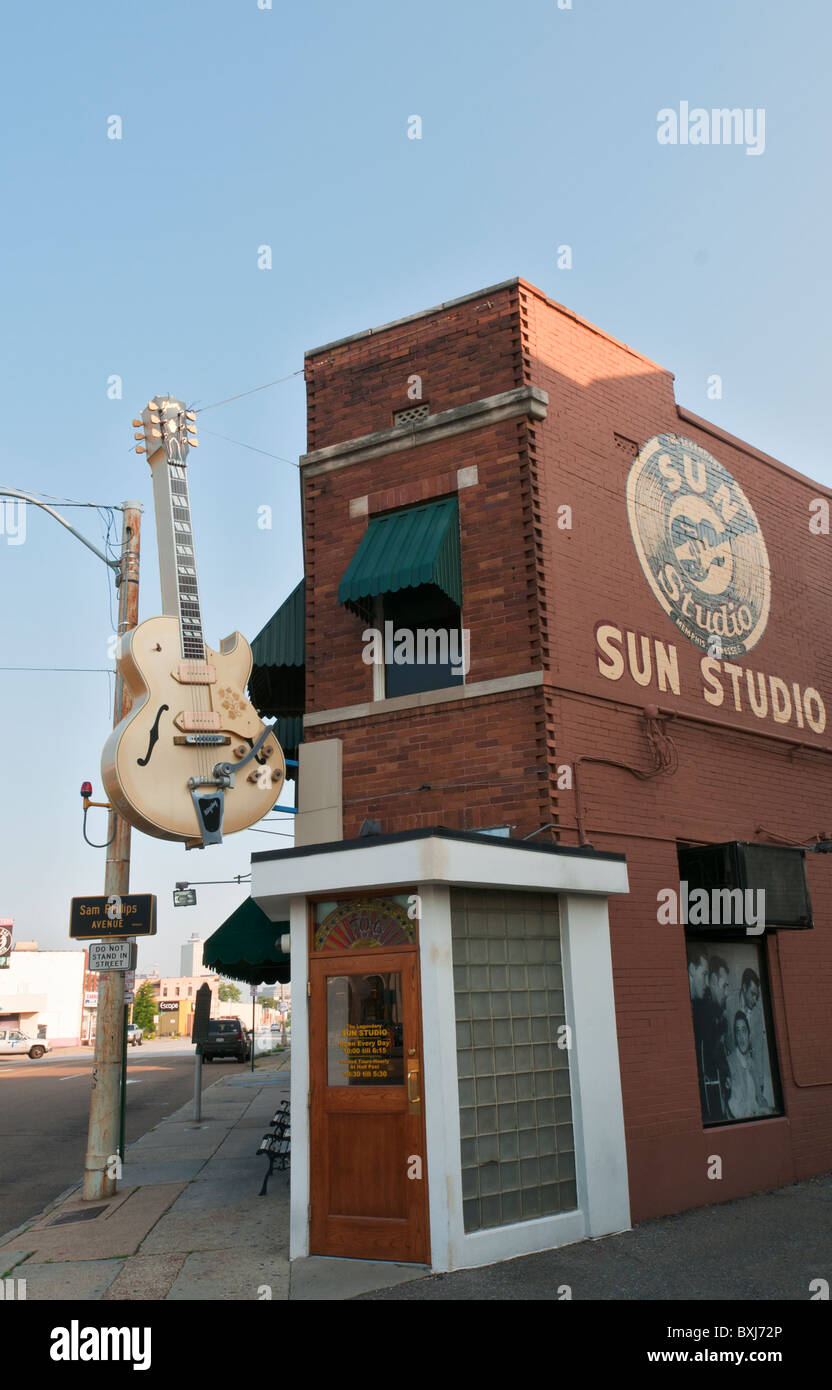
(73, 1075)
(131, 1081)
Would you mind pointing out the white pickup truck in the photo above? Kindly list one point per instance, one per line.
(13, 1041)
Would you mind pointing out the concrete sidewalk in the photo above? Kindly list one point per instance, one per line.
(186, 1223)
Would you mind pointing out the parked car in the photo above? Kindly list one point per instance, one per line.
(13, 1041)
(135, 1036)
(227, 1038)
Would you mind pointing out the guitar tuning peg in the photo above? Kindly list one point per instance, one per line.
(136, 424)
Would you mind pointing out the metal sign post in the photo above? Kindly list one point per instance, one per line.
(105, 1109)
(253, 1028)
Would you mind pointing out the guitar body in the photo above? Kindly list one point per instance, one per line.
(148, 759)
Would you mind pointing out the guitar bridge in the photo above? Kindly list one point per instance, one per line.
(203, 740)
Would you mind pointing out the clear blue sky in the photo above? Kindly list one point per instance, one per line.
(288, 127)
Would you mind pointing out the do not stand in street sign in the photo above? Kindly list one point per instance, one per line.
(112, 955)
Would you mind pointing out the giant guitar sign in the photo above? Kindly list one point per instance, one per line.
(192, 760)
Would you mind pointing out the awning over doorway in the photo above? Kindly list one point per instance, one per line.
(405, 550)
(247, 947)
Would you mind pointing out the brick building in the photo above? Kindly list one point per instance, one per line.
(648, 672)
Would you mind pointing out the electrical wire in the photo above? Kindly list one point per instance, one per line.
(252, 447)
(200, 410)
(101, 670)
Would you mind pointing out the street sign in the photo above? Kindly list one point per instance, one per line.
(91, 999)
(130, 986)
(112, 955)
(184, 897)
(132, 914)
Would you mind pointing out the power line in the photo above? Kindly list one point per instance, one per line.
(254, 450)
(200, 410)
(106, 670)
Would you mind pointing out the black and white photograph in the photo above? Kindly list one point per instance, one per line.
(729, 1007)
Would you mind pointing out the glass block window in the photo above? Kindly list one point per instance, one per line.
(515, 1109)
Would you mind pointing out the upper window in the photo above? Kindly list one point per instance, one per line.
(404, 581)
(422, 645)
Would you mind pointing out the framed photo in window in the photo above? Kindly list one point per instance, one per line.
(736, 1059)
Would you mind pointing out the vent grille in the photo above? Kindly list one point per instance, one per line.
(628, 446)
(411, 415)
(87, 1214)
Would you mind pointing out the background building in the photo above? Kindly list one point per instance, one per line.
(191, 957)
(175, 1000)
(41, 993)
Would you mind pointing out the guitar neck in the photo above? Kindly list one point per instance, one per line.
(177, 559)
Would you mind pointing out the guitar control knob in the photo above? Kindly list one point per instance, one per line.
(267, 752)
(240, 751)
(253, 777)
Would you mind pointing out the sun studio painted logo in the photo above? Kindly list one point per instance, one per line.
(700, 545)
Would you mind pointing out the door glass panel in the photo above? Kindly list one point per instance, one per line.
(364, 1030)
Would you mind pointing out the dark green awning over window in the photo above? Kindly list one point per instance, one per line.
(282, 642)
(244, 947)
(277, 684)
(403, 551)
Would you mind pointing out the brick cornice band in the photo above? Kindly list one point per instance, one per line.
(527, 401)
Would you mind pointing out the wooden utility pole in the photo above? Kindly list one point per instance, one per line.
(105, 1103)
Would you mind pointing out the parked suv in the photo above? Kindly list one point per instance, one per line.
(13, 1041)
(227, 1038)
(134, 1034)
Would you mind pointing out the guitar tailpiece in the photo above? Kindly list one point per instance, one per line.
(209, 814)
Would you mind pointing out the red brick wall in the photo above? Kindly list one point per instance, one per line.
(462, 353)
(533, 595)
(726, 786)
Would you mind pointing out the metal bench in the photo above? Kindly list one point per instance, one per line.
(276, 1145)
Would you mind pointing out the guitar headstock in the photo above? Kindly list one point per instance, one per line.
(167, 425)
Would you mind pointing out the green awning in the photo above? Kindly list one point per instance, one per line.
(277, 684)
(282, 642)
(403, 551)
(289, 731)
(244, 947)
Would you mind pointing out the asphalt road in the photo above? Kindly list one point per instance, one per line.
(44, 1114)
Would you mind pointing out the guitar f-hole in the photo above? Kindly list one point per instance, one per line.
(154, 737)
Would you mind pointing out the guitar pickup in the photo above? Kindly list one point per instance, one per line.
(195, 673)
(202, 740)
(192, 721)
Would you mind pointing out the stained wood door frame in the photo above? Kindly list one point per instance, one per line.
(362, 1236)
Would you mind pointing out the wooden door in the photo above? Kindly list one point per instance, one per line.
(368, 1179)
